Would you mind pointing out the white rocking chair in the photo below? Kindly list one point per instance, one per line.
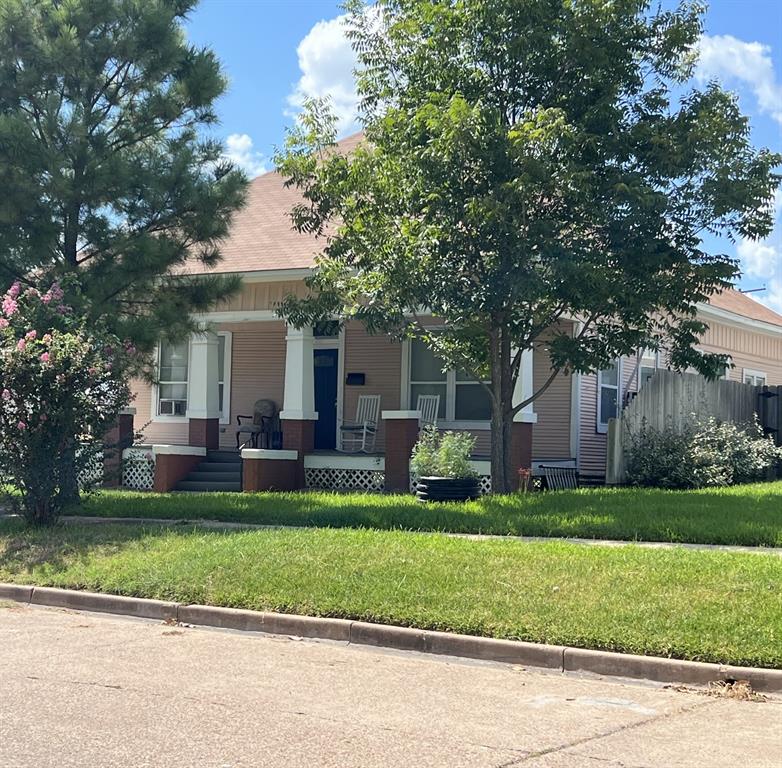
(429, 407)
(359, 437)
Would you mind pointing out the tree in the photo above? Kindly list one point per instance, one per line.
(528, 161)
(61, 387)
(105, 171)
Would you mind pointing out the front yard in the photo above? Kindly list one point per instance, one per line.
(749, 515)
(709, 606)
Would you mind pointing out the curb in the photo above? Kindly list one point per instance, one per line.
(553, 657)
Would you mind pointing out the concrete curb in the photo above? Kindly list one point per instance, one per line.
(554, 657)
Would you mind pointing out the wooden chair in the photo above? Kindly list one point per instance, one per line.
(429, 408)
(261, 431)
(359, 436)
(560, 478)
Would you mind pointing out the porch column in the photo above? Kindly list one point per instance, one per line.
(401, 435)
(521, 429)
(298, 414)
(203, 397)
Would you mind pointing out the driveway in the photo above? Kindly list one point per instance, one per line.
(84, 690)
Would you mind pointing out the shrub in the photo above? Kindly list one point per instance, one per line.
(62, 388)
(443, 455)
(703, 454)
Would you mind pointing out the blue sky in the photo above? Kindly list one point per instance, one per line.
(275, 52)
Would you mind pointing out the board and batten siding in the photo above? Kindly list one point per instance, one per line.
(262, 296)
(748, 349)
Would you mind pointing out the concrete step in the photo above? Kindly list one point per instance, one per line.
(214, 477)
(227, 457)
(200, 486)
(219, 466)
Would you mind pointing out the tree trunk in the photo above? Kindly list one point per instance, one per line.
(502, 468)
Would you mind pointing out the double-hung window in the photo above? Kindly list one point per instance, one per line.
(607, 395)
(756, 378)
(463, 400)
(648, 365)
(173, 378)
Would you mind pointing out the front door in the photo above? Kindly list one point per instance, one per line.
(326, 398)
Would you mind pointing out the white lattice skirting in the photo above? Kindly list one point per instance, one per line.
(92, 473)
(138, 468)
(340, 479)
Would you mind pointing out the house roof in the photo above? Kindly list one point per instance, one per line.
(740, 304)
(262, 236)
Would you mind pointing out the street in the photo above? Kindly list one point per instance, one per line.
(80, 689)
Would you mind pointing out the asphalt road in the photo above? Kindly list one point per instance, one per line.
(88, 690)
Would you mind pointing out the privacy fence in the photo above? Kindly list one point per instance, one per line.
(672, 400)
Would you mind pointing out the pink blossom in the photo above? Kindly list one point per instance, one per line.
(21, 425)
(9, 306)
(30, 335)
(21, 344)
(6, 394)
(56, 292)
(32, 292)
(3, 323)
(47, 338)
(46, 298)
(45, 357)
(13, 291)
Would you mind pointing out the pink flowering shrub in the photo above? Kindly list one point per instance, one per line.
(61, 388)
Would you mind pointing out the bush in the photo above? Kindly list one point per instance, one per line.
(703, 454)
(62, 388)
(443, 455)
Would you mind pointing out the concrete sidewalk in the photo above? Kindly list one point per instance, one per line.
(80, 689)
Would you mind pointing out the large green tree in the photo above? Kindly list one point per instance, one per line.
(528, 161)
(106, 168)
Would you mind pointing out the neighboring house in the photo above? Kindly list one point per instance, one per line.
(255, 356)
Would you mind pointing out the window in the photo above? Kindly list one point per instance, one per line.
(607, 396)
(462, 399)
(172, 385)
(756, 378)
(224, 374)
(648, 365)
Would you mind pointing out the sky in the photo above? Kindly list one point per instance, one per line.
(275, 53)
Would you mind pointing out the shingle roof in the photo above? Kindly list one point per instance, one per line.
(262, 236)
(740, 304)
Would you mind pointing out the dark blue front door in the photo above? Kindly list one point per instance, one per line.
(326, 398)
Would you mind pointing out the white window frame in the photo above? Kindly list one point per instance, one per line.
(600, 425)
(225, 378)
(646, 356)
(156, 415)
(748, 373)
(450, 421)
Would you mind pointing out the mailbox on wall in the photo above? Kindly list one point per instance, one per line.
(356, 379)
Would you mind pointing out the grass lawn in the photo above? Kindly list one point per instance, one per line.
(704, 605)
(749, 515)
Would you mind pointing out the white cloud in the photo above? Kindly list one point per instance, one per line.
(735, 61)
(762, 260)
(239, 150)
(327, 61)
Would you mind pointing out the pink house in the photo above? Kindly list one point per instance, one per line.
(315, 377)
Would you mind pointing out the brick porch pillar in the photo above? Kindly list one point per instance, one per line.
(269, 470)
(402, 429)
(173, 463)
(298, 415)
(203, 401)
(115, 441)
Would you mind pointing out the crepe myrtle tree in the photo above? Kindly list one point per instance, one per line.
(526, 162)
(106, 165)
(61, 388)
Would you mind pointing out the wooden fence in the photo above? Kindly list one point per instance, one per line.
(671, 400)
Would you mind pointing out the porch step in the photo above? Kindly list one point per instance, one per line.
(211, 476)
(199, 486)
(219, 467)
(226, 457)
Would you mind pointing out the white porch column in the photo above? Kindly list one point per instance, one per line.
(203, 396)
(299, 397)
(524, 388)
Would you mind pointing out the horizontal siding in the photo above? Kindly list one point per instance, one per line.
(157, 432)
(551, 433)
(380, 359)
(257, 370)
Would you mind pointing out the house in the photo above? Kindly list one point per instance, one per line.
(316, 376)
